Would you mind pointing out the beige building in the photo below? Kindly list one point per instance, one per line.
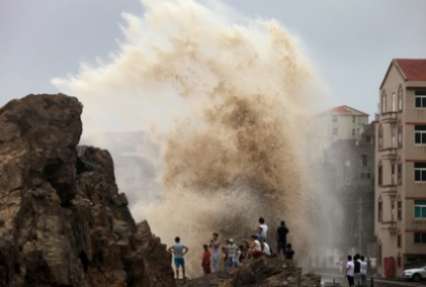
(339, 123)
(400, 163)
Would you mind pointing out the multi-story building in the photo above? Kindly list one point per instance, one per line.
(400, 163)
(339, 123)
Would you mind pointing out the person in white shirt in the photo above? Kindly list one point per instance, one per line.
(262, 230)
(255, 248)
(364, 271)
(350, 269)
(267, 249)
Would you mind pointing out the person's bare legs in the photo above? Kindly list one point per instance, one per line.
(183, 273)
(177, 273)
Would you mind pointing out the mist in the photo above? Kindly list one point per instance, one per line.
(217, 105)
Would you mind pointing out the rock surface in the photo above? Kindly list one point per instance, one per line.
(62, 220)
(262, 272)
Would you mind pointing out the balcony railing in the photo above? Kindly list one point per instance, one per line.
(391, 116)
(390, 225)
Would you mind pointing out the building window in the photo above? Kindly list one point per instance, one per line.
(420, 99)
(420, 171)
(394, 102)
(334, 119)
(398, 241)
(364, 160)
(420, 208)
(335, 131)
(353, 119)
(419, 237)
(399, 173)
(380, 136)
(380, 174)
(398, 260)
(353, 132)
(400, 95)
(380, 211)
(399, 136)
(420, 134)
(383, 102)
(399, 210)
(394, 131)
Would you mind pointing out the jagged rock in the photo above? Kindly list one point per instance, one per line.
(262, 272)
(62, 220)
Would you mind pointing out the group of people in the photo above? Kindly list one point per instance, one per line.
(356, 270)
(231, 254)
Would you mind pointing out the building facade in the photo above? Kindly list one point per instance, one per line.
(400, 164)
(339, 123)
(351, 164)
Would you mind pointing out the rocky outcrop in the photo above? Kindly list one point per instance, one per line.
(62, 220)
(262, 272)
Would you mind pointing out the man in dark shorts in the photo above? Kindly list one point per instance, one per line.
(179, 251)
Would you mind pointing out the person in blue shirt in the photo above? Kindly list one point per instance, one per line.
(178, 250)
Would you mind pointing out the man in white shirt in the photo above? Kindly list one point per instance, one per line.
(262, 230)
(350, 269)
(364, 270)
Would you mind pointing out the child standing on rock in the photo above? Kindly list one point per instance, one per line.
(205, 262)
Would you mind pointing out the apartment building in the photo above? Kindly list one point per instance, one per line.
(338, 123)
(400, 163)
(349, 165)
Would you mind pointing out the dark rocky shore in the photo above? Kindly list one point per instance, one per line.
(63, 222)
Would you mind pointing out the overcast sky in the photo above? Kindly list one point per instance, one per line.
(350, 42)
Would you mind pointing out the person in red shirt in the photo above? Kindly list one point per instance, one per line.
(205, 263)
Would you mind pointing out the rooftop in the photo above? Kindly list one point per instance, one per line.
(346, 110)
(413, 70)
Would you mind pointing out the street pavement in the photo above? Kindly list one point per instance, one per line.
(338, 280)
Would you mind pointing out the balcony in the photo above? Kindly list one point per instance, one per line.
(390, 226)
(390, 153)
(389, 117)
(389, 189)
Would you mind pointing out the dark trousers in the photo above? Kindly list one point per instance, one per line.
(281, 245)
(350, 280)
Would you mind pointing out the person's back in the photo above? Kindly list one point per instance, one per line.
(178, 251)
(282, 232)
(357, 265)
(262, 230)
(206, 260)
(364, 271)
(215, 252)
(350, 271)
(289, 252)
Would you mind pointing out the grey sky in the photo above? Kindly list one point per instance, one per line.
(350, 42)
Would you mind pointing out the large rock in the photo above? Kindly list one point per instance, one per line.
(261, 272)
(62, 220)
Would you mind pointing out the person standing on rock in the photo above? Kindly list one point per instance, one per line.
(179, 251)
(262, 230)
(350, 268)
(215, 252)
(282, 232)
(255, 249)
(231, 255)
(206, 260)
